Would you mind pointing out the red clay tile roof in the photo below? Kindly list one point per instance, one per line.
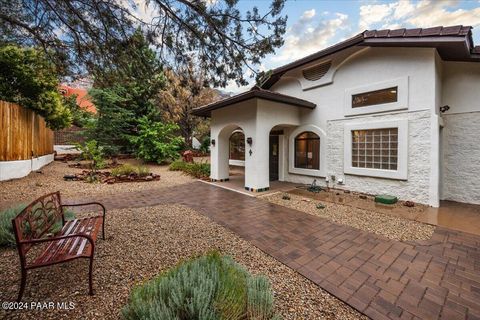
(83, 99)
(255, 92)
(418, 32)
(454, 43)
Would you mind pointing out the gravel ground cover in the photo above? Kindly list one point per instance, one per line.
(51, 179)
(142, 243)
(375, 222)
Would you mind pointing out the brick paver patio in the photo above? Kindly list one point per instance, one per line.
(384, 279)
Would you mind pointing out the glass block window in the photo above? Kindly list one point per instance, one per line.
(375, 97)
(375, 149)
(237, 146)
(307, 151)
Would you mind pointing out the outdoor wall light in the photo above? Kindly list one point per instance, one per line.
(213, 142)
(444, 108)
(249, 141)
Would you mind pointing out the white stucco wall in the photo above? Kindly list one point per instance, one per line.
(21, 168)
(362, 68)
(256, 117)
(461, 150)
(461, 157)
(417, 185)
(66, 149)
(431, 83)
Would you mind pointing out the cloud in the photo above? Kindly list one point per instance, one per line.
(373, 13)
(308, 15)
(425, 13)
(306, 37)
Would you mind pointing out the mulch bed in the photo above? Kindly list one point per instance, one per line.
(80, 165)
(107, 177)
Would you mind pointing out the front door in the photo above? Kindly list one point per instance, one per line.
(274, 158)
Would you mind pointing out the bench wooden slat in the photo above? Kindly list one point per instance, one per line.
(77, 246)
(54, 247)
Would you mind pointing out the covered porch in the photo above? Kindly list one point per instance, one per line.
(259, 120)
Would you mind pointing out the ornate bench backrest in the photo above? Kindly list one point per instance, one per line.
(37, 219)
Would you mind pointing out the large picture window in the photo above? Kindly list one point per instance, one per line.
(375, 149)
(307, 151)
(237, 146)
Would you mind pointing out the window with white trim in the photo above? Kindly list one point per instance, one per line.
(377, 97)
(377, 149)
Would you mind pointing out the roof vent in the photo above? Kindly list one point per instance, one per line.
(316, 72)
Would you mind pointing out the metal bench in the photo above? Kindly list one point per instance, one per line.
(34, 227)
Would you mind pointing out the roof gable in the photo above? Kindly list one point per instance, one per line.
(454, 43)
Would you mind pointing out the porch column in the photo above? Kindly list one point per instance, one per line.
(219, 169)
(257, 163)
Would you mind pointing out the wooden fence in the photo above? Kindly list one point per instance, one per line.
(23, 133)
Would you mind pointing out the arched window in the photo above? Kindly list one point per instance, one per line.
(237, 146)
(307, 151)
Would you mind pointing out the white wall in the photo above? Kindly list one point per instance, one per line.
(21, 168)
(256, 117)
(461, 171)
(417, 185)
(461, 150)
(362, 68)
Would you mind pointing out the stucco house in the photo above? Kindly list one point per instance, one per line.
(386, 111)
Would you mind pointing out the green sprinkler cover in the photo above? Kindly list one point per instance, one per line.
(386, 199)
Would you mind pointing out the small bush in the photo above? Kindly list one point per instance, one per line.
(127, 169)
(320, 206)
(143, 171)
(7, 237)
(209, 287)
(205, 146)
(196, 169)
(124, 169)
(177, 165)
(285, 196)
(156, 141)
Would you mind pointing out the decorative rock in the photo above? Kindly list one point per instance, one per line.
(320, 206)
(362, 196)
(346, 191)
(409, 204)
(148, 178)
(69, 177)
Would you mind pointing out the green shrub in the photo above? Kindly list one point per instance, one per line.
(209, 287)
(94, 153)
(7, 237)
(143, 171)
(156, 141)
(124, 169)
(196, 169)
(177, 165)
(205, 146)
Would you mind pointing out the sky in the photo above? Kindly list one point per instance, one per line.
(315, 24)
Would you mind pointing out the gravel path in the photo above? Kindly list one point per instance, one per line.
(144, 242)
(51, 179)
(394, 228)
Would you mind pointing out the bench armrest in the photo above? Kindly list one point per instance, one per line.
(86, 204)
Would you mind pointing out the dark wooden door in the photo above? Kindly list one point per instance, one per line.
(274, 155)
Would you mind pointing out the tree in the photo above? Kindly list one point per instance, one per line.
(185, 91)
(30, 80)
(80, 34)
(156, 141)
(125, 93)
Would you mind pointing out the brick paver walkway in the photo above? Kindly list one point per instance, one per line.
(384, 279)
